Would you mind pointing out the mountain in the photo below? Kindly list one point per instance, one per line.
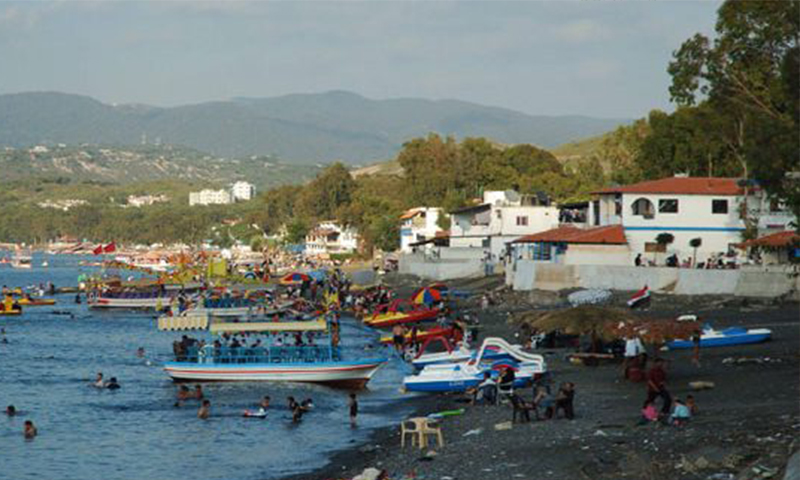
(301, 128)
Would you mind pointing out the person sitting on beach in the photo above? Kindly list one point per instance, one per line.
(30, 431)
(98, 381)
(680, 413)
(690, 402)
(543, 400)
(11, 410)
(485, 391)
(565, 400)
(649, 413)
(113, 384)
(205, 410)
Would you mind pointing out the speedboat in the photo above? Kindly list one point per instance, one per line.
(725, 338)
(316, 363)
(458, 377)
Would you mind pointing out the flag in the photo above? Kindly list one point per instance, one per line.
(110, 248)
(98, 250)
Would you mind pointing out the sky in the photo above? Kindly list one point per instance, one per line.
(602, 58)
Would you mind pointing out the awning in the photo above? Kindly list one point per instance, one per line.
(308, 326)
(183, 322)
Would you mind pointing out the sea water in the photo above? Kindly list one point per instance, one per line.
(54, 352)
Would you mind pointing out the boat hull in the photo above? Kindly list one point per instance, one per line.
(722, 341)
(129, 303)
(389, 320)
(353, 374)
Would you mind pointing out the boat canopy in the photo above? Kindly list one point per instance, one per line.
(319, 325)
(183, 322)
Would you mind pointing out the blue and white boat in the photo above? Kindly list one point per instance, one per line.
(319, 362)
(725, 338)
(461, 354)
(458, 377)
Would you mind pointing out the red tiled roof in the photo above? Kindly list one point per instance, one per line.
(775, 240)
(410, 213)
(682, 186)
(611, 234)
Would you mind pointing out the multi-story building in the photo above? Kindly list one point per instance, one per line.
(329, 237)
(419, 225)
(502, 217)
(210, 197)
(243, 191)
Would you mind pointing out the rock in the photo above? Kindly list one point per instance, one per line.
(369, 474)
(701, 385)
(701, 463)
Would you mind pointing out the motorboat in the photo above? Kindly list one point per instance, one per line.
(320, 362)
(130, 299)
(725, 338)
(461, 353)
(400, 311)
(458, 377)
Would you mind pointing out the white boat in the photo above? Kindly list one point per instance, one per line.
(21, 260)
(132, 300)
(457, 377)
(311, 363)
(460, 354)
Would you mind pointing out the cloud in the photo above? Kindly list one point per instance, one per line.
(581, 31)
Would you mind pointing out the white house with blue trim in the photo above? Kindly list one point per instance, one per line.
(686, 207)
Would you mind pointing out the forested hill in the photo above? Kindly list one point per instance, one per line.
(303, 128)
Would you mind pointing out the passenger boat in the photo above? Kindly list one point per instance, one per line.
(725, 338)
(320, 363)
(458, 377)
(401, 311)
(130, 299)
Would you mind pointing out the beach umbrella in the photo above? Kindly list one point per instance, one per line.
(427, 296)
(294, 278)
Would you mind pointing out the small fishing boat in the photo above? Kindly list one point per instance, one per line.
(36, 301)
(725, 338)
(315, 363)
(401, 311)
(458, 377)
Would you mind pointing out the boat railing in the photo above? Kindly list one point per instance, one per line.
(275, 354)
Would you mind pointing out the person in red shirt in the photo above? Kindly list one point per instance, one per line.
(657, 386)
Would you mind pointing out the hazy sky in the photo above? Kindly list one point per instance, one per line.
(592, 57)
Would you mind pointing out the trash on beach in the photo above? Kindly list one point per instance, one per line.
(503, 426)
(369, 474)
(475, 431)
(745, 360)
(600, 433)
(701, 385)
(592, 296)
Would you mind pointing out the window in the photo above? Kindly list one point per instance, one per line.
(522, 221)
(541, 251)
(719, 207)
(668, 205)
(644, 208)
(618, 205)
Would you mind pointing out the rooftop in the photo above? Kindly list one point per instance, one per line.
(774, 240)
(682, 186)
(611, 234)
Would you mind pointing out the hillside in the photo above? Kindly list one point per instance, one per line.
(579, 149)
(295, 128)
(126, 165)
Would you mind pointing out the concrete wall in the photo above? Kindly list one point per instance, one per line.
(442, 268)
(768, 283)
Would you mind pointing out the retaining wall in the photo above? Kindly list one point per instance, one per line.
(747, 282)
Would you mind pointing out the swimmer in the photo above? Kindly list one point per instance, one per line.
(140, 352)
(205, 410)
(112, 384)
(265, 402)
(30, 430)
(198, 392)
(11, 410)
(353, 402)
(98, 382)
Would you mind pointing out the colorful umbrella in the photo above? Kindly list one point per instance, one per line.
(427, 296)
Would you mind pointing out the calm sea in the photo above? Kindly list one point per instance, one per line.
(134, 433)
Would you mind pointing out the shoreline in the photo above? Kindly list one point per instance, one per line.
(747, 424)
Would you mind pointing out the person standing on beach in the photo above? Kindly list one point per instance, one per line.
(696, 335)
(353, 403)
(657, 386)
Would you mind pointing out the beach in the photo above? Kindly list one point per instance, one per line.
(746, 426)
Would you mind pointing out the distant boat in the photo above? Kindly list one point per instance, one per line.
(45, 264)
(22, 260)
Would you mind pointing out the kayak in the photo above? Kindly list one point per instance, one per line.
(33, 302)
(725, 338)
(10, 312)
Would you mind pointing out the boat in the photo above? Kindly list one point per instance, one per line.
(725, 338)
(460, 353)
(423, 335)
(130, 299)
(22, 260)
(400, 311)
(36, 301)
(458, 377)
(321, 363)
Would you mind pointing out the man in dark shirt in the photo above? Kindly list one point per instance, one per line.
(657, 386)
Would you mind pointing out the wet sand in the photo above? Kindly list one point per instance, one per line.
(747, 426)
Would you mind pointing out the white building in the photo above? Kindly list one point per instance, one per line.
(330, 237)
(142, 200)
(502, 217)
(419, 225)
(243, 191)
(711, 209)
(210, 197)
(570, 245)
